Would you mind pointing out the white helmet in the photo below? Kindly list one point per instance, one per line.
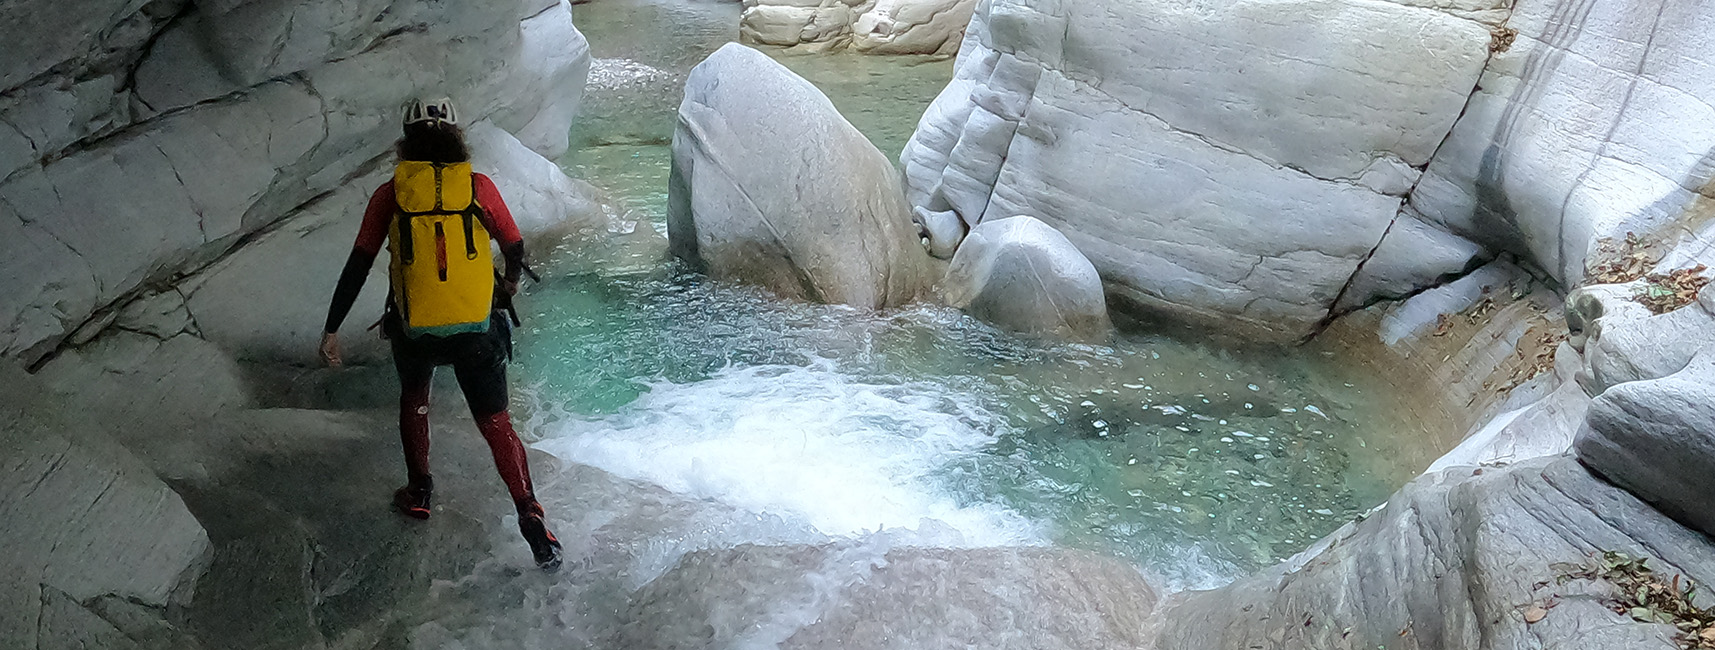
(439, 110)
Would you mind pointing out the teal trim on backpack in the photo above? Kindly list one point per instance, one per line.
(448, 330)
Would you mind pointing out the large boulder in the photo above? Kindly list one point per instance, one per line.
(1022, 275)
(1594, 121)
(770, 185)
(1656, 438)
(1200, 189)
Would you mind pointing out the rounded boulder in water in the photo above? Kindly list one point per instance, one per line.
(1023, 275)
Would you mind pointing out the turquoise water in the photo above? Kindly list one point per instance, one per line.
(1195, 462)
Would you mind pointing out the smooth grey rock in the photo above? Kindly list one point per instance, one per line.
(40, 34)
(204, 157)
(539, 194)
(1421, 313)
(1253, 216)
(1412, 256)
(555, 59)
(943, 231)
(1530, 424)
(865, 26)
(855, 595)
(912, 27)
(1453, 561)
(1598, 120)
(771, 186)
(296, 267)
(1656, 438)
(141, 206)
(821, 25)
(1624, 342)
(1022, 275)
(68, 625)
(86, 519)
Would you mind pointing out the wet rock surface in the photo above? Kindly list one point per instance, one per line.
(1023, 275)
(771, 186)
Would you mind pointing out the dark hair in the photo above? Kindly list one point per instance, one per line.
(436, 142)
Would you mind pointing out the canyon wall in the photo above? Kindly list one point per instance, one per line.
(142, 140)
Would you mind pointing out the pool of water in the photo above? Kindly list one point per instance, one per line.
(697, 416)
(1196, 463)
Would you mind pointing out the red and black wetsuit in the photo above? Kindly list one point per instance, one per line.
(478, 359)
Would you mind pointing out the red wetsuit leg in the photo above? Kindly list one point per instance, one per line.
(509, 457)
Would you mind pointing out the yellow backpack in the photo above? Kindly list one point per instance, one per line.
(442, 268)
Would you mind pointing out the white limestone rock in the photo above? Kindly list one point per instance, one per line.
(912, 27)
(296, 267)
(542, 198)
(556, 60)
(1656, 438)
(865, 26)
(1022, 275)
(771, 186)
(120, 214)
(1412, 256)
(1253, 215)
(204, 158)
(1623, 341)
(1454, 560)
(821, 25)
(1598, 120)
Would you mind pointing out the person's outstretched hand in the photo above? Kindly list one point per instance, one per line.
(330, 350)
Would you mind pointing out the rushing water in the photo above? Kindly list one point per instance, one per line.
(720, 416)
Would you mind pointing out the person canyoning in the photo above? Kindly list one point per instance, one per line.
(437, 218)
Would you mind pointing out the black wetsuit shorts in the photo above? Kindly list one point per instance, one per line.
(478, 360)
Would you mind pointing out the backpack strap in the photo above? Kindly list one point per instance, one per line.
(407, 249)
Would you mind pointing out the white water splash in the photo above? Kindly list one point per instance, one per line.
(806, 444)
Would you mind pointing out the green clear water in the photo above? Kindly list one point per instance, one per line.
(1196, 462)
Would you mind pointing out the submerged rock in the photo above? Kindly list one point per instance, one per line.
(771, 186)
(1022, 275)
(1200, 189)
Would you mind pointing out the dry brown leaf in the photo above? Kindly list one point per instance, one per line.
(1534, 614)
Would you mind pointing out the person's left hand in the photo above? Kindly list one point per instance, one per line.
(509, 286)
(330, 350)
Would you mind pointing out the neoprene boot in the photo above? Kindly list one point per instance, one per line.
(413, 499)
(543, 545)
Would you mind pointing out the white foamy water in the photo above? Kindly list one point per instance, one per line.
(808, 445)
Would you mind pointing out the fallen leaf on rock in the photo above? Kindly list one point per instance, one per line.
(1534, 614)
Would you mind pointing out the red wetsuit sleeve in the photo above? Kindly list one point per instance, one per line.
(370, 236)
(496, 217)
(373, 233)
